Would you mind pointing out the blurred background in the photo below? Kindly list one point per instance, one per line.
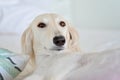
(98, 21)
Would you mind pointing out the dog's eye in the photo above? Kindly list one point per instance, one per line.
(41, 25)
(62, 24)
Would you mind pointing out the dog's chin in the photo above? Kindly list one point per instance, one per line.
(58, 49)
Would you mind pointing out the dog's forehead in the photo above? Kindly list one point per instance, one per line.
(46, 18)
(57, 17)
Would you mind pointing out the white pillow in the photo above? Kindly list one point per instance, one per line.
(11, 64)
(16, 18)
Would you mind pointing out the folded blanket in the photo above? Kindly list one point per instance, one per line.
(11, 64)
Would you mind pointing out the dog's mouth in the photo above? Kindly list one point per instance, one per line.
(57, 48)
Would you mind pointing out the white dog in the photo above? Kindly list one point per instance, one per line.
(50, 41)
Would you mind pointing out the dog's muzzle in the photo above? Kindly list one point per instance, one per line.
(59, 40)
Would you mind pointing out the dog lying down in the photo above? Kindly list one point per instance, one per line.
(93, 66)
(53, 45)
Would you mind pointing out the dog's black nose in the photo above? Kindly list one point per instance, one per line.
(59, 40)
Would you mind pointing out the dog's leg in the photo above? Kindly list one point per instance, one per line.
(34, 77)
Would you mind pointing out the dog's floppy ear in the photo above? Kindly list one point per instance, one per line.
(27, 42)
(27, 48)
(74, 39)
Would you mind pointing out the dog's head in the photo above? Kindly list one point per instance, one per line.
(50, 32)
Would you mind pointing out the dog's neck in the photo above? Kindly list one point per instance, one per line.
(43, 54)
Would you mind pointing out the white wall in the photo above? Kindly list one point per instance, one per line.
(96, 14)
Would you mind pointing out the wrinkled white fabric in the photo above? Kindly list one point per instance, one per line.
(103, 65)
